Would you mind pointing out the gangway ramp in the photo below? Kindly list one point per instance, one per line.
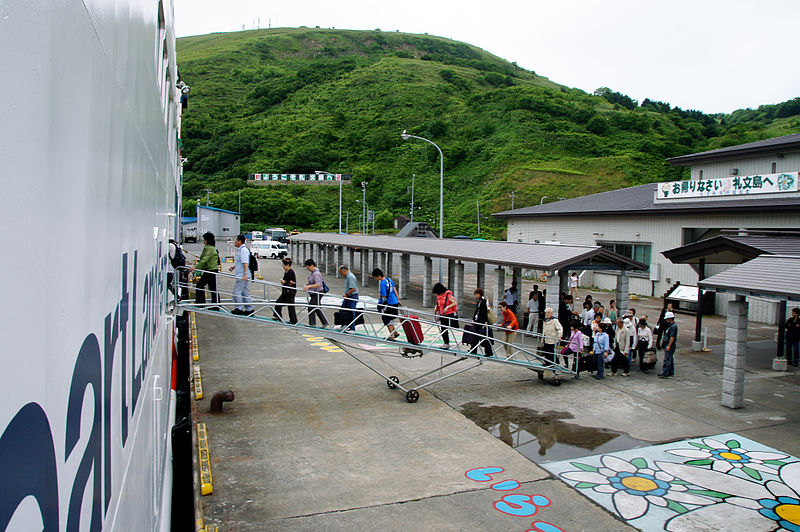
(371, 331)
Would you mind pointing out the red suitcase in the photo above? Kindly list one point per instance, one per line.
(413, 329)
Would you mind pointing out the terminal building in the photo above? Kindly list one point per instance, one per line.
(224, 224)
(736, 191)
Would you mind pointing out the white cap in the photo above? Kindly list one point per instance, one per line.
(607, 320)
(668, 315)
(626, 321)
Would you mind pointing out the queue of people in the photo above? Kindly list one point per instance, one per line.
(595, 338)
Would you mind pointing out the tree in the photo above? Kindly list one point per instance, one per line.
(384, 220)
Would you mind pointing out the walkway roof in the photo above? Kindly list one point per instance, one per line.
(513, 254)
(767, 275)
(734, 249)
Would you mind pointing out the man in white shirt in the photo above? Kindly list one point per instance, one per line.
(241, 290)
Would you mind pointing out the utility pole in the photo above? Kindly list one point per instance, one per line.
(240, 201)
(478, 203)
(412, 196)
(364, 204)
(208, 194)
(512, 196)
(347, 222)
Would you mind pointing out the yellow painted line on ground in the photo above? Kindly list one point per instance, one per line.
(198, 383)
(206, 486)
(315, 338)
(321, 344)
(333, 349)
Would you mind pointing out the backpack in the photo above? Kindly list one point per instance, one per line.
(490, 314)
(253, 263)
(179, 260)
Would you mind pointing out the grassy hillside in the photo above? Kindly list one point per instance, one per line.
(300, 100)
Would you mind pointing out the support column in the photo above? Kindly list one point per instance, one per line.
(451, 273)
(365, 267)
(517, 277)
(305, 251)
(375, 262)
(458, 291)
(563, 281)
(623, 284)
(481, 277)
(389, 264)
(551, 300)
(499, 285)
(329, 260)
(339, 259)
(383, 263)
(405, 274)
(427, 284)
(735, 353)
(697, 345)
(351, 256)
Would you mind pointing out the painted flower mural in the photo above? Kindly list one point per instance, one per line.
(728, 456)
(748, 505)
(634, 486)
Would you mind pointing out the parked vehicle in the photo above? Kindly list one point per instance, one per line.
(190, 233)
(275, 233)
(268, 249)
(257, 235)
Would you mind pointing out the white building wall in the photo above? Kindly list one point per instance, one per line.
(789, 162)
(663, 233)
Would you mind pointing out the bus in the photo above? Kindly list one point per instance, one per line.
(275, 233)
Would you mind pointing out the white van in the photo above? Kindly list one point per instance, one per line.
(268, 249)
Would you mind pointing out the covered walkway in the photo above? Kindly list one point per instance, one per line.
(555, 261)
(775, 276)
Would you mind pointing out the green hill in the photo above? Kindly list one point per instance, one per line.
(300, 100)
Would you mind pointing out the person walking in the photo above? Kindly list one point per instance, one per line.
(481, 319)
(534, 304)
(511, 296)
(209, 264)
(793, 338)
(288, 291)
(350, 294)
(388, 302)
(623, 347)
(315, 288)
(601, 350)
(573, 285)
(644, 342)
(510, 325)
(241, 267)
(661, 325)
(552, 331)
(574, 346)
(446, 312)
(670, 343)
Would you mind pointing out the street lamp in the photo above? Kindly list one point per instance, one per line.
(406, 136)
(364, 204)
(321, 172)
(542, 200)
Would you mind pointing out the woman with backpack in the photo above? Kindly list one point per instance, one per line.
(315, 287)
(446, 312)
(209, 264)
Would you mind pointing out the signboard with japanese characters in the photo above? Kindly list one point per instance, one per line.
(299, 177)
(729, 186)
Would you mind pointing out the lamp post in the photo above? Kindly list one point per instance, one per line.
(512, 196)
(542, 200)
(412, 196)
(406, 136)
(364, 204)
(321, 172)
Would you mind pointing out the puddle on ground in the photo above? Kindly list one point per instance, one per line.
(545, 436)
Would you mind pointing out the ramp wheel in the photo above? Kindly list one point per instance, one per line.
(412, 396)
(392, 382)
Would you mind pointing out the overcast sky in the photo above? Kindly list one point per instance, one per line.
(710, 55)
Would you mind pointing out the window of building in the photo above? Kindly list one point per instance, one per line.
(701, 174)
(633, 250)
(774, 168)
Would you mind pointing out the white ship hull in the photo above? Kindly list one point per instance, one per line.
(90, 183)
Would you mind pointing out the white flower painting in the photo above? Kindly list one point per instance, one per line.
(723, 482)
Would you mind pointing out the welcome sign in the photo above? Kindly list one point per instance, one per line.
(783, 182)
(299, 177)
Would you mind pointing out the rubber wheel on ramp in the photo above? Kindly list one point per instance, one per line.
(412, 396)
(392, 382)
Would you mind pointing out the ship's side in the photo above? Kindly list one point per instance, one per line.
(89, 168)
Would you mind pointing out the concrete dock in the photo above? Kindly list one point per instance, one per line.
(314, 440)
